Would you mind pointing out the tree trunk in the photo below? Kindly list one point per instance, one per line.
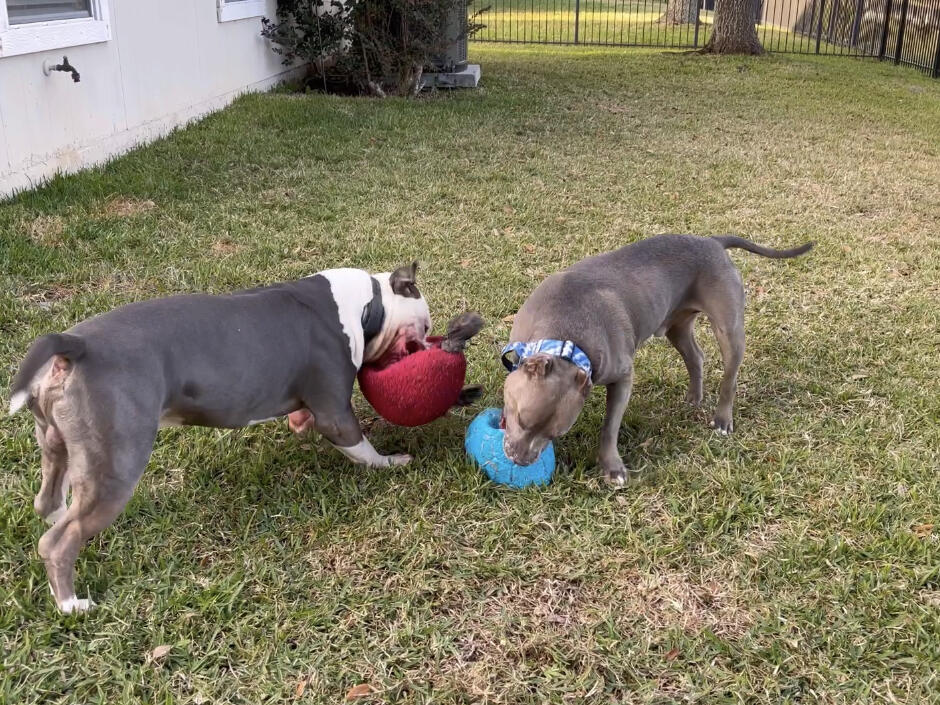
(680, 12)
(734, 31)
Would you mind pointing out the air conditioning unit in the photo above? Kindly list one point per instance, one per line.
(456, 56)
(452, 70)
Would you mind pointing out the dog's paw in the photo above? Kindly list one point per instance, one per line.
(73, 605)
(398, 459)
(693, 398)
(618, 475)
(722, 426)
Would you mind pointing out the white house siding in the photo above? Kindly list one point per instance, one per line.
(166, 63)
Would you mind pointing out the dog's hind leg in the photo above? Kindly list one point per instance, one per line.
(682, 336)
(727, 318)
(103, 480)
(50, 500)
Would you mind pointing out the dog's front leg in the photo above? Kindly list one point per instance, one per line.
(618, 396)
(342, 430)
(365, 454)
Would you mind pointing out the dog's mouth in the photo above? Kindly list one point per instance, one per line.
(522, 459)
(521, 453)
(406, 342)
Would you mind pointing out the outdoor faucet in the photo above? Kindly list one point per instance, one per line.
(64, 66)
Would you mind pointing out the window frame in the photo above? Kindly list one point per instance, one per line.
(32, 37)
(230, 11)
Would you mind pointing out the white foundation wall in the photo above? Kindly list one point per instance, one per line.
(166, 63)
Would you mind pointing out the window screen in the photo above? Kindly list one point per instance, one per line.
(26, 11)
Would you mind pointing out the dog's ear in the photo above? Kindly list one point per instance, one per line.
(583, 381)
(404, 281)
(537, 365)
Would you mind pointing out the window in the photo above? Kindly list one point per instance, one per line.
(26, 11)
(28, 26)
(240, 9)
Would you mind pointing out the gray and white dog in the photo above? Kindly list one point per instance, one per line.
(100, 391)
(583, 326)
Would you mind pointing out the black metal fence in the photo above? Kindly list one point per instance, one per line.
(903, 31)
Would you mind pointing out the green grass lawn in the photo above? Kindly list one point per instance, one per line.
(795, 561)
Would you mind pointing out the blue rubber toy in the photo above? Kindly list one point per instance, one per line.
(484, 444)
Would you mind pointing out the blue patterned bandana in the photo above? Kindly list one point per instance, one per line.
(564, 349)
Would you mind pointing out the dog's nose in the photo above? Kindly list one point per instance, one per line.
(516, 457)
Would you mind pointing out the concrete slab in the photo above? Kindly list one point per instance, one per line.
(466, 77)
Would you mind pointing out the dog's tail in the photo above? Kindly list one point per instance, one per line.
(70, 347)
(729, 241)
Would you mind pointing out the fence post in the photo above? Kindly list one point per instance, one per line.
(884, 31)
(834, 15)
(897, 48)
(698, 11)
(822, 6)
(936, 58)
(857, 21)
(577, 19)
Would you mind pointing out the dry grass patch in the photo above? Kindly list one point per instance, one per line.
(225, 248)
(45, 296)
(763, 539)
(125, 283)
(518, 628)
(672, 600)
(45, 229)
(126, 207)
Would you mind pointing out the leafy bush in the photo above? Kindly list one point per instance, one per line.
(379, 46)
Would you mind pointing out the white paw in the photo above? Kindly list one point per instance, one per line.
(616, 476)
(398, 459)
(73, 604)
(616, 480)
(723, 429)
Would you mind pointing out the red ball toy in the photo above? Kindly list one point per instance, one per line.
(425, 383)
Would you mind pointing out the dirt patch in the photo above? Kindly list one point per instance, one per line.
(124, 207)
(225, 248)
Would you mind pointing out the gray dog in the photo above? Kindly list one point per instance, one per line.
(583, 326)
(100, 391)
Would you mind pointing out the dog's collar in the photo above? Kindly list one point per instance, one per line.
(373, 313)
(564, 349)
